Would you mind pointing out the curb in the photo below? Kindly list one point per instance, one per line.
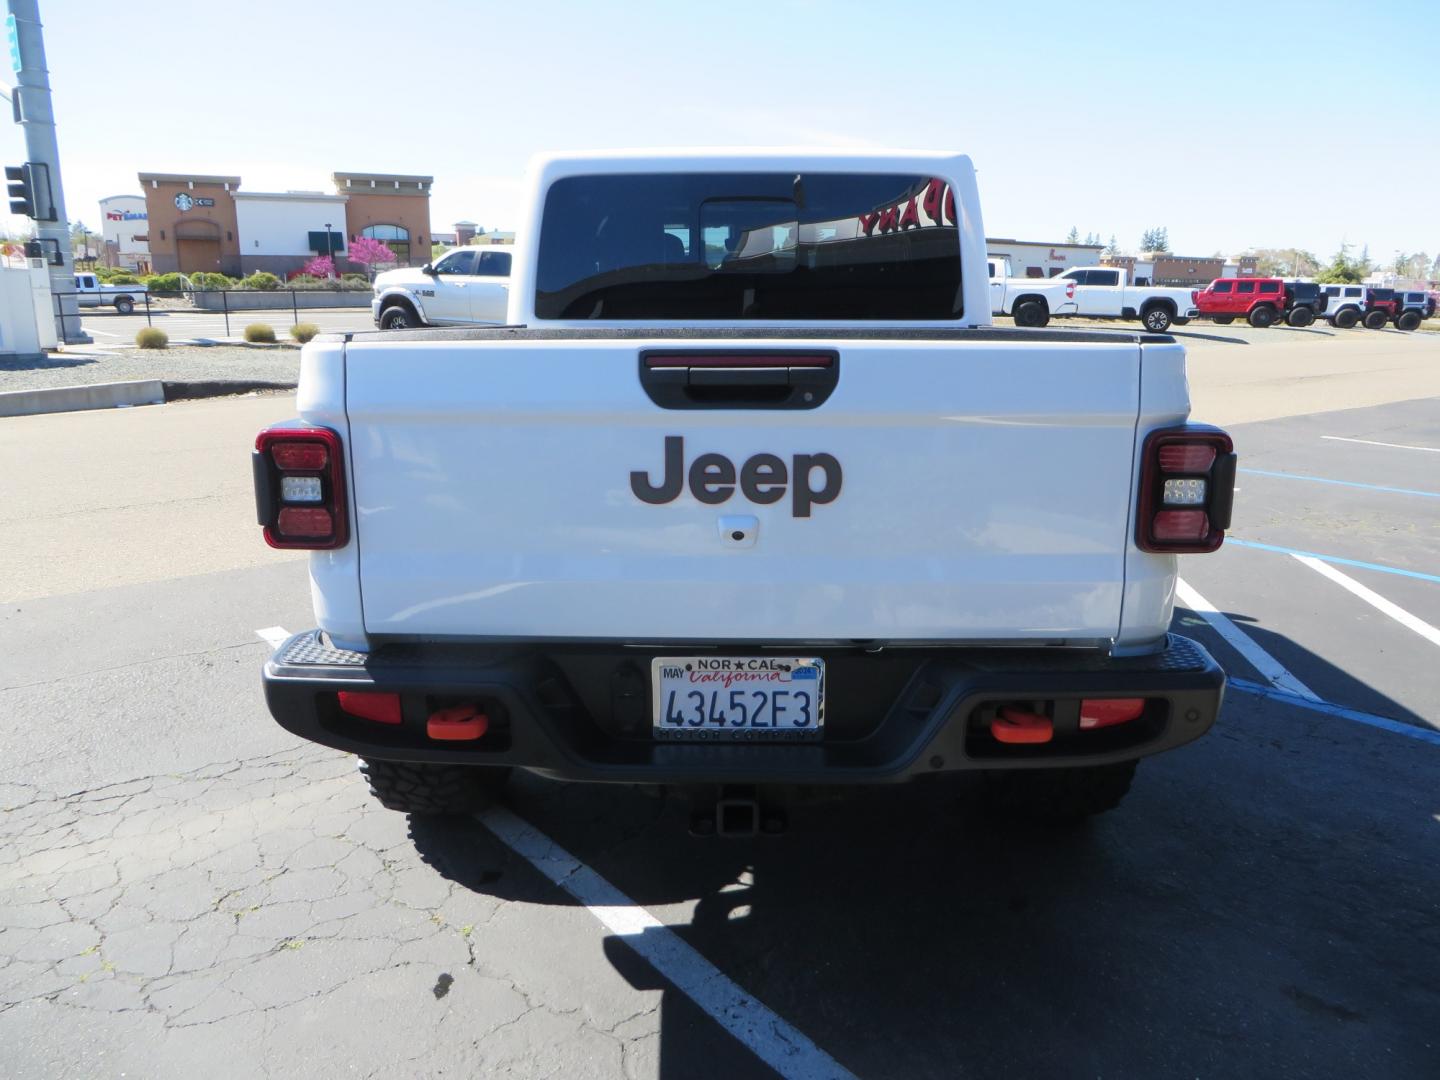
(120, 395)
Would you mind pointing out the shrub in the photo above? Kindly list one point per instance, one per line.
(207, 280)
(322, 266)
(260, 280)
(166, 283)
(260, 332)
(303, 332)
(354, 281)
(152, 337)
(121, 279)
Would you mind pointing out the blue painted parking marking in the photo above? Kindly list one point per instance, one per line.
(1384, 723)
(1417, 574)
(1342, 483)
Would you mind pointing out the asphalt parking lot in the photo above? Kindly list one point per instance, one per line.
(186, 890)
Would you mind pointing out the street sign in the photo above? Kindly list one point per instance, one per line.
(12, 38)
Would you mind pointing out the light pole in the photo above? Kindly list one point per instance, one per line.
(330, 248)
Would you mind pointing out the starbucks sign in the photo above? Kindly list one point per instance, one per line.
(184, 202)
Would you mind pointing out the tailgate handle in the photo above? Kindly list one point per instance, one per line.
(739, 378)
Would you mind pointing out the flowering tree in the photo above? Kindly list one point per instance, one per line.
(320, 266)
(370, 253)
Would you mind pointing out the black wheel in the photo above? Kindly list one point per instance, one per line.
(124, 305)
(1300, 316)
(1408, 320)
(1031, 313)
(398, 317)
(1156, 319)
(1262, 316)
(1346, 318)
(1180, 320)
(1224, 320)
(1057, 796)
(433, 790)
(1375, 320)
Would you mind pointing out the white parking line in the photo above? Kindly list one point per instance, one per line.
(1374, 599)
(770, 1038)
(1276, 673)
(273, 635)
(1393, 446)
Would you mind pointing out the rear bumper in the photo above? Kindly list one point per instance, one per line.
(582, 711)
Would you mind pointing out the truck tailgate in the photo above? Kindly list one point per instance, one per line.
(986, 493)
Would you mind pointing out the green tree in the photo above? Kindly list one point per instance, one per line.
(1073, 236)
(1111, 248)
(1343, 270)
(1156, 239)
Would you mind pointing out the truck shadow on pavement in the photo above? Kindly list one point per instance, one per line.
(1262, 904)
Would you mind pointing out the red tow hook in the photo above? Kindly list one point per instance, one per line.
(458, 723)
(1017, 726)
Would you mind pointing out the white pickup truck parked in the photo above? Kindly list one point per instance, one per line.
(1029, 301)
(1105, 292)
(466, 287)
(749, 495)
(89, 292)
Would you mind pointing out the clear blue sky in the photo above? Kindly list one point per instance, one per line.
(1232, 125)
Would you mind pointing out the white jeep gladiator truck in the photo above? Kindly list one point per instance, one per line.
(749, 497)
(1029, 301)
(1105, 292)
(91, 292)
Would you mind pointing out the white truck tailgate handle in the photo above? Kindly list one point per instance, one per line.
(739, 378)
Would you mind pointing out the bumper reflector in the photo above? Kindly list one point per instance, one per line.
(381, 708)
(457, 724)
(1107, 712)
(1015, 726)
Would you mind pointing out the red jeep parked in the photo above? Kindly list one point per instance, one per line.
(1260, 300)
(1381, 306)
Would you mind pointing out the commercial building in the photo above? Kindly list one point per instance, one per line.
(123, 229)
(206, 223)
(1162, 268)
(1035, 259)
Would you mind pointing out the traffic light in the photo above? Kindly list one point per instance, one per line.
(22, 198)
(29, 189)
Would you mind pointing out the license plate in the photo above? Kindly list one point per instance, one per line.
(738, 698)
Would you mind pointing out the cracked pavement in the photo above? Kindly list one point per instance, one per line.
(263, 918)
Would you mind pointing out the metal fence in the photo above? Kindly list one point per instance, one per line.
(227, 303)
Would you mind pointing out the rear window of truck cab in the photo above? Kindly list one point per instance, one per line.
(821, 246)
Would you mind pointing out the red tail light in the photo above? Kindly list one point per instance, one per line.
(1194, 296)
(1187, 489)
(1070, 290)
(300, 488)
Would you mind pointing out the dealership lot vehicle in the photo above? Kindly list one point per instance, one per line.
(1345, 305)
(769, 359)
(1304, 302)
(1381, 306)
(89, 292)
(1105, 292)
(1029, 301)
(463, 287)
(1259, 301)
(1412, 308)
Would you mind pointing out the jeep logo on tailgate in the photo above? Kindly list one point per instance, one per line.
(763, 479)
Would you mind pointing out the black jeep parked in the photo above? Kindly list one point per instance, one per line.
(1304, 302)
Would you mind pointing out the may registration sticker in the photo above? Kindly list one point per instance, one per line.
(738, 698)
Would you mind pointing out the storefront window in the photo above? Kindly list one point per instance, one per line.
(395, 237)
